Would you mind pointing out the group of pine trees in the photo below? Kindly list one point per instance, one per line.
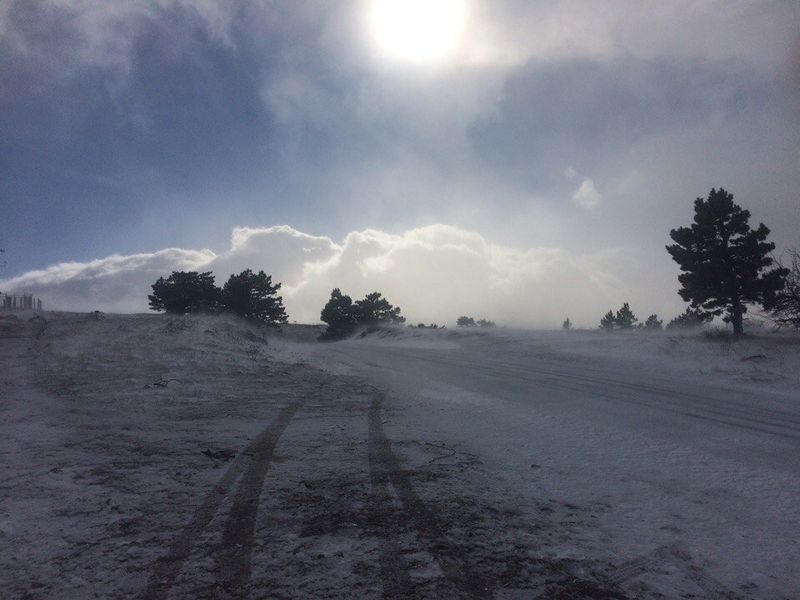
(249, 295)
(254, 297)
(625, 320)
(465, 321)
(725, 266)
(343, 316)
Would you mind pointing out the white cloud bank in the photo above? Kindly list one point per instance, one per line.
(114, 284)
(434, 273)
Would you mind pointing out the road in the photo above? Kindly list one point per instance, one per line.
(699, 475)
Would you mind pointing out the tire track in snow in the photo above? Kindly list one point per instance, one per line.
(258, 453)
(655, 386)
(658, 386)
(730, 407)
(394, 572)
(679, 401)
(662, 399)
(681, 398)
(385, 469)
(238, 533)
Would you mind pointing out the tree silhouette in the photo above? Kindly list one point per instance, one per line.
(723, 261)
(252, 296)
(653, 323)
(566, 325)
(185, 292)
(375, 310)
(625, 319)
(608, 322)
(343, 315)
(690, 319)
(340, 316)
(464, 321)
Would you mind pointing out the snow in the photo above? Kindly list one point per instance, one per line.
(159, 457)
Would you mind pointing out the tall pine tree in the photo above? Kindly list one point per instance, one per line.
(724, 262)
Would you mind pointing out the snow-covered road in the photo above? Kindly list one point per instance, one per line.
(631, 458)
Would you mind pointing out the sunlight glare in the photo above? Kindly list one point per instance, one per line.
(418, 30)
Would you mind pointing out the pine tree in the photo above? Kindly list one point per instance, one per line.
(690, 319)
(608, 322)
(625, 319)
(566, 325)
(343, 315)
(652, 323)
(252, 296)
(185, 292)
(723, 261)
(340, 316)
(375, 310)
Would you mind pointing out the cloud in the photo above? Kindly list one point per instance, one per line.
(587, 195)
(587, 111)
(434, 273)
(115, 283)
(129, 122)
(281, 251)
(514, 32)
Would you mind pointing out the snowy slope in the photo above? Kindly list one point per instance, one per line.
(113, 429)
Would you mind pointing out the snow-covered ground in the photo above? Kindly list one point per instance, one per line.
(154, 457)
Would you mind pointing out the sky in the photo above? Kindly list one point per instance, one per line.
(513, 160)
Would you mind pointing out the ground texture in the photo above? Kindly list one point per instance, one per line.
(155, 457)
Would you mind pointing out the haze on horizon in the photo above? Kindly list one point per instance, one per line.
(516, 161)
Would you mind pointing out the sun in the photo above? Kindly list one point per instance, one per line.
(417, 30)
